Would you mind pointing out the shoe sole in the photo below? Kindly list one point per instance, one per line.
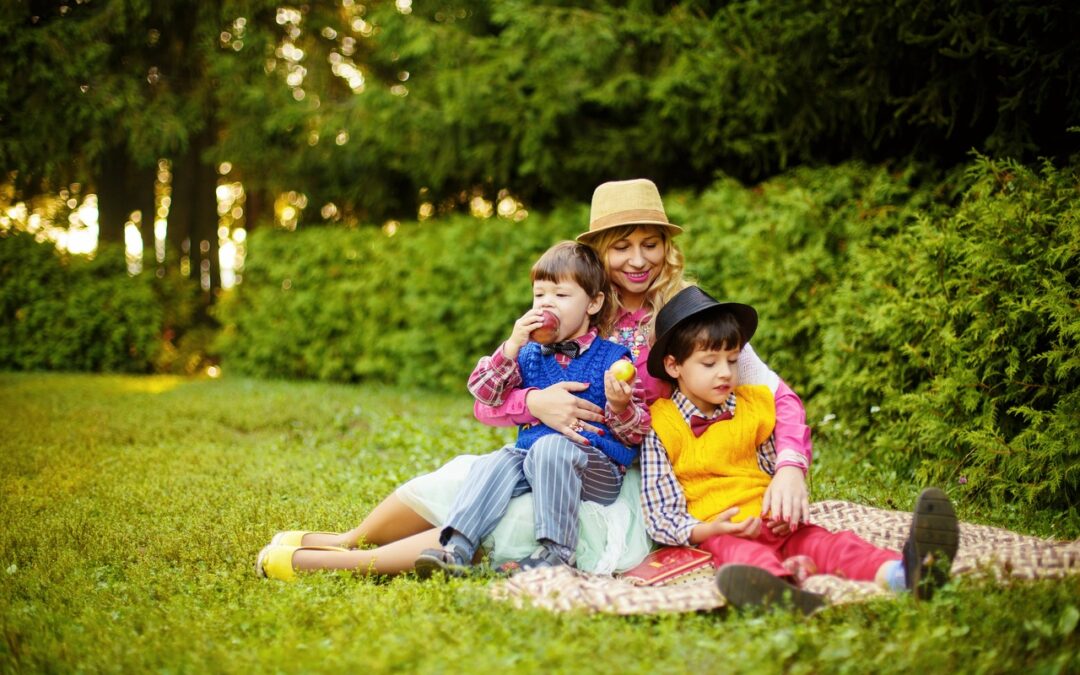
(259, 571)
(935, 537)
(749, 586)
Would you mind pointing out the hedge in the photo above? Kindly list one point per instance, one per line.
(417, 307)
(930, 322)
(953, 346)
(72, 313)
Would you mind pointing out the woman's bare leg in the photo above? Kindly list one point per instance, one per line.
(392, 558)
(390, 521)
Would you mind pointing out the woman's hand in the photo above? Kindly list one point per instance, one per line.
(558, 408)
(786, 498)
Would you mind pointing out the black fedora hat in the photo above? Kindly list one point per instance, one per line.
(690, 302)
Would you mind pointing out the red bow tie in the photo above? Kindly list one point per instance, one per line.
(699, 424)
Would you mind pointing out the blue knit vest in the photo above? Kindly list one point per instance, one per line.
(542, 371)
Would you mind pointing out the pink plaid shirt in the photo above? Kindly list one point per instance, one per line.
(495, 377)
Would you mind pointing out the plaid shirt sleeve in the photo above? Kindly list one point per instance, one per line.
(493, 377)
(662, 501)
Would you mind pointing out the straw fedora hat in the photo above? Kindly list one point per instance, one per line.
(626, 202)
(687, 303)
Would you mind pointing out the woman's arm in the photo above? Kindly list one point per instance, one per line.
(511, 412)
(793, 446)
(555, 406)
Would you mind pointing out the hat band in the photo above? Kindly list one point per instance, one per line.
(629, 217)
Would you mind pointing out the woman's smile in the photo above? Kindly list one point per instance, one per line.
(637, 277)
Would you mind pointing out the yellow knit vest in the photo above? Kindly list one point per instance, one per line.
(719, 469)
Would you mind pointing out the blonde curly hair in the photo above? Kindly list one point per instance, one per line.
(670, 281)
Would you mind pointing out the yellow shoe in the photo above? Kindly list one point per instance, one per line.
(275, 560)
(295, 538)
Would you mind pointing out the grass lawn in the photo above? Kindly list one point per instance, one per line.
(132, 509)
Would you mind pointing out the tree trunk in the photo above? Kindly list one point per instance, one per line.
(124, 187)
(143, 181)
(178, 226)
(114, 199)
(193, 214)
(258, 208)
(205, 224)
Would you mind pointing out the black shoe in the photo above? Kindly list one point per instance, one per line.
(749, 586)
(931, 545)
(449, 561)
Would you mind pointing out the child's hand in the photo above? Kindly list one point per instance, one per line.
(519, 337)
(786, 498)
(747, 529)
(780, 528)
(617, 392)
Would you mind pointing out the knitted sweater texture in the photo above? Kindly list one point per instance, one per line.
(542, 371)
(719, 469)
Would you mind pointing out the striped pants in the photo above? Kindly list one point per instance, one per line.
(560, 473)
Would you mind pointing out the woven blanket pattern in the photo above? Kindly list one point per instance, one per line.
(983, 550)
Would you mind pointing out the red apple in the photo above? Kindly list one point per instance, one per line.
(623, 370)
(547, 333)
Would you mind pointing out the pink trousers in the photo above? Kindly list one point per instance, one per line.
(840, 553)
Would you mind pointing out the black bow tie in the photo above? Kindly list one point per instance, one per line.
(569, 348)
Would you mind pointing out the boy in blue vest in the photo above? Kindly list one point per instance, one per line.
(568, 281)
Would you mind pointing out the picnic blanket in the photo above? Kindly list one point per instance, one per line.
(983, 550)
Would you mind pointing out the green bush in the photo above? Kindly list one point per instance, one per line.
(784, 246)
(32, 288)
(416, 308)
(953, 346)
(61, 312)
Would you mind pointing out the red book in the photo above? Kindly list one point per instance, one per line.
(667, 563)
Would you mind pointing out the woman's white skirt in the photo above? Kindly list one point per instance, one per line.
(612, 538)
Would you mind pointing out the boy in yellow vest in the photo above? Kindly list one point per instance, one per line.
(702, 483)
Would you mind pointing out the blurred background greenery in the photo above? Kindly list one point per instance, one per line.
(352, 191)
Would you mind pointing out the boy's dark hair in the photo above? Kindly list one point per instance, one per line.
(711, 330)
(569, 260)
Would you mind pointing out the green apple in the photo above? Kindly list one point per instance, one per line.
(623, 370)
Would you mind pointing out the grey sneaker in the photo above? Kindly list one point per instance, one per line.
(932, 543)
(749, 586)
(450, 561)
(543, 556)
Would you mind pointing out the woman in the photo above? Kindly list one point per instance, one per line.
(629, 230)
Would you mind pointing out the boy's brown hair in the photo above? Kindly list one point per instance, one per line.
(569, 260)
(711, 330)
